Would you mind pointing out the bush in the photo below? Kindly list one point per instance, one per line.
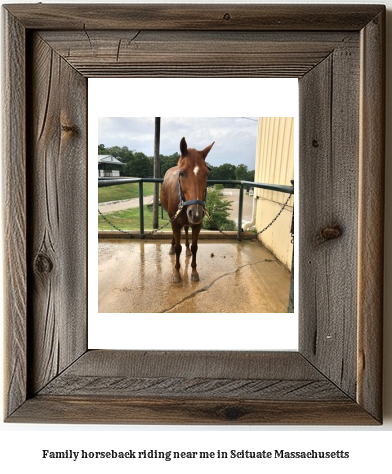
(218, 209)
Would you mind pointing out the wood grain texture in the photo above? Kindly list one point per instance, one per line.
(190, 374)
(334, 379)
(208, 364)
(195, 17)
(371, 216)
(14, 209)
(57, 215)
(199, 387)
(122, 410)
(328, 216)
(188, 387)
(137, 53)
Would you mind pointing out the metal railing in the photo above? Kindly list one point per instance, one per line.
(103, 182)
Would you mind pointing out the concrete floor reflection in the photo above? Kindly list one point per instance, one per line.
(235, 277)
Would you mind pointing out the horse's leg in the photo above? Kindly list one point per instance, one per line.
(188, 250)
(195, 234)
(178, 248)
(172, 250)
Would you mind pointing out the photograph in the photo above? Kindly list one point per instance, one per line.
(228, 309)
(228, 181)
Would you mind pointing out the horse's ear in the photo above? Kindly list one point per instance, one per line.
(183, 147)
(207, 150)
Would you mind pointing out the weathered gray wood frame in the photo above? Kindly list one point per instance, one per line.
(337, 52)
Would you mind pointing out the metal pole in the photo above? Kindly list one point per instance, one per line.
(240, 204)
(291, 294)
(141, 213)
(155, 219)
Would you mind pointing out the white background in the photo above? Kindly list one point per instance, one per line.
(369, 447)
(119, 97)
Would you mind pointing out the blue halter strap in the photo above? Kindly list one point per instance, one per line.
(183, 203)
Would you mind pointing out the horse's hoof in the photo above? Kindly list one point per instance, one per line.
(176, 279)
(195, 277)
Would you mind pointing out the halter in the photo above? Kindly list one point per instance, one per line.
(183, 203)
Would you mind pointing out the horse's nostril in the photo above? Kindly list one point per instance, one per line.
(194, 214)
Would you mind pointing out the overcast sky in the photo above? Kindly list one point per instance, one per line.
(234, 137)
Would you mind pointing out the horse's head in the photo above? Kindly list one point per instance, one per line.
(193, 173)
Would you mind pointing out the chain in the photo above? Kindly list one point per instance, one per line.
(292, 228)
(133, 235)
(277, 215)
(212, 222)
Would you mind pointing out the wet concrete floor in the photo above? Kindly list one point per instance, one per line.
(235, 277)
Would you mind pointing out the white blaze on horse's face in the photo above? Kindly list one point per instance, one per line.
(196, 170)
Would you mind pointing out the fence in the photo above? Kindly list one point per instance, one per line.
(102, 182)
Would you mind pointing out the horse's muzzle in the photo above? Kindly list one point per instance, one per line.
(195, 214)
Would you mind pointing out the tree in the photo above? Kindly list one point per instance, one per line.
(101, 149)
(139, 165)
(118, 152)
(241, 173)
(225, 171)
(250, 175)
(218, 209)
(143, 165)
(168, 162)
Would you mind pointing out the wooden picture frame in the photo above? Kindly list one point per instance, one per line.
(337, 52)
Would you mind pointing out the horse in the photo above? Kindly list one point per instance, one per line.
(183, 196)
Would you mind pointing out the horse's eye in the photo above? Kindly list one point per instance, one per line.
(181, 174)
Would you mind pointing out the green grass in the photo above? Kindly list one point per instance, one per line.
(124, 191)
(129, 219)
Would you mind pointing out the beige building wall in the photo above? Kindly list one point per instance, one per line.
(275, 165)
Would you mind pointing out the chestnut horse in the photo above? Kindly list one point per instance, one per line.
(183, 196)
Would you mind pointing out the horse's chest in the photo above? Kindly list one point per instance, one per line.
(183, 219)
